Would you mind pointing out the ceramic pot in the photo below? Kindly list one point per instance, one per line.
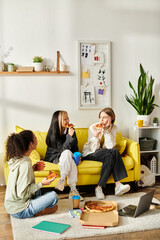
(145, 118)
(38, 67)
(10, 67)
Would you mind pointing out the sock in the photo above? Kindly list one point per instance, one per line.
(73, 188)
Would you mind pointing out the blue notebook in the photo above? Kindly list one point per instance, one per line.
(52, 227)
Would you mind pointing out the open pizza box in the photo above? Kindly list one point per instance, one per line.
(109, 218)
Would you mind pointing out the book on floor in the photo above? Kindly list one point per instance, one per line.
(52, 227)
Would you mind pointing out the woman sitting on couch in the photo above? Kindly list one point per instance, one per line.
(61, 144)
(97, 150)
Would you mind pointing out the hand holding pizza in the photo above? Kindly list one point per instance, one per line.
(97, 130)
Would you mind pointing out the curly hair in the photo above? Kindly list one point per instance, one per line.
(18, 144)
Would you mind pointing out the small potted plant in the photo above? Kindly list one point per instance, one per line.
(155, 121)
(38, 63)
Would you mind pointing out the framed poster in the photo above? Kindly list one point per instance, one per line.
(94, 74)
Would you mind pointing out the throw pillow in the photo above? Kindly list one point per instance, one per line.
(41, 139)
(120, 143)
(34, 155)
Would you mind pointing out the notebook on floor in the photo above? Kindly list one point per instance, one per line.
(143, 206)
(52, 227)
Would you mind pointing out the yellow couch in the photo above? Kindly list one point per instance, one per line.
(88, 171)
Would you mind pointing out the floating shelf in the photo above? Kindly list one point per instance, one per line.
(57, 72)
(34, 73)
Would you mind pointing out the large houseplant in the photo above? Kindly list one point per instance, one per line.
(143, 99)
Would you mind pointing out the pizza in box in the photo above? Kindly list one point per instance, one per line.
(99, 206)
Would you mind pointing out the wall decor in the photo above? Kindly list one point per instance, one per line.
(94, 74)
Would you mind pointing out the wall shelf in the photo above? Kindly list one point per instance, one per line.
(152, 132)
(57, 72)
(34, 73)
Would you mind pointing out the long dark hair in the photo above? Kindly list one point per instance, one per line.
(55, 129)
(18, 144)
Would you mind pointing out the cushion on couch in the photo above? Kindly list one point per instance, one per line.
(41, 139)
(120, 143)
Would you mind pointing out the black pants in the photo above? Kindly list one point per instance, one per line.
(111, 163)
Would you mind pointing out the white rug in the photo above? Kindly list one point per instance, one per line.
(22, 228)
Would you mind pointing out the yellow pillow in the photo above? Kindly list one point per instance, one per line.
(34, 155)
(41, 139)
(120, 143)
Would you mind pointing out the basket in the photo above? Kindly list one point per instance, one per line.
(146, 144)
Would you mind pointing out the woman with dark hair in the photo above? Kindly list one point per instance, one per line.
(61, 144)
(23, 197)
(100, 147)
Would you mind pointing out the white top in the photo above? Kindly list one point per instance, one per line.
(94, 143)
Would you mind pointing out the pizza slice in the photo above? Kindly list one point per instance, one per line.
(69, 125)
(98, 126)
(52, 175)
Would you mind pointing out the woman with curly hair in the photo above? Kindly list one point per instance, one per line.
(23, 197)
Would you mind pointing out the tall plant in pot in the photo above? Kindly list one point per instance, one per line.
(38, 63)
(143, 100)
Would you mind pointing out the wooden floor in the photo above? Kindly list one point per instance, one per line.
(6, 228)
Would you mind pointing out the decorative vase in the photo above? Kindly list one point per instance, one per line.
(145, 118)
(38, 67)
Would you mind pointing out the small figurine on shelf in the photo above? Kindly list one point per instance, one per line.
(47, 68)
(155, 121)
(38, 64)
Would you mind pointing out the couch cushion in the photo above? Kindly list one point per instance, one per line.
(41, 138)
(120, 143)
(82, 136)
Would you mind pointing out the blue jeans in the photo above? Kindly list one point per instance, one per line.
(38, 204)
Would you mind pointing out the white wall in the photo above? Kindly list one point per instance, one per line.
(40, 27)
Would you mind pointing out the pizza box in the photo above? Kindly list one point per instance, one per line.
(109, 219)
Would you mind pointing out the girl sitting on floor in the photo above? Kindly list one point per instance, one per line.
(23, 197)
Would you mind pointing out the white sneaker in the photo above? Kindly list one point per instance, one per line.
(99, 193)
(60, 185)
(75, 192)
(121, 189)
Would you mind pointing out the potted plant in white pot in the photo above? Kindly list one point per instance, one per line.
(38, 64)
(155, 121)
(143, 100)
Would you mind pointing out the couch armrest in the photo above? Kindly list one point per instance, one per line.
(133, 150)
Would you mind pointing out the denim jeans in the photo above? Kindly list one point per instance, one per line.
(39, 203)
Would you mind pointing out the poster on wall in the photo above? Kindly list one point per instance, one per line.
(87, 95)
(87, 53)
(94, 74)
(100, 75)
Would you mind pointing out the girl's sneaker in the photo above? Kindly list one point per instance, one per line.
(99, 193)
(121, 189)
(75, 192)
